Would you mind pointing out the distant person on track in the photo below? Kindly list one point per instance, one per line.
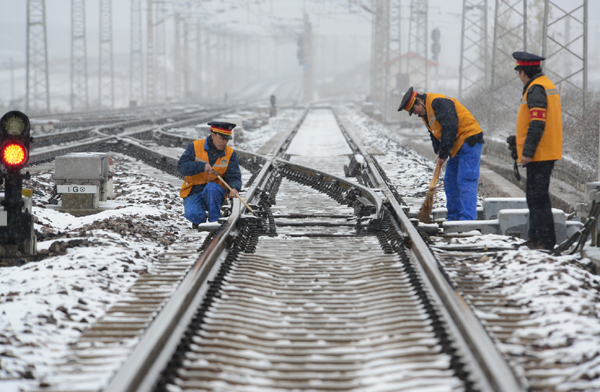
(457, 137)
(202, 192)
(538, 143)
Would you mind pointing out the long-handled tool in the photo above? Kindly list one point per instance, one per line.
(231, 190)
(424, 214)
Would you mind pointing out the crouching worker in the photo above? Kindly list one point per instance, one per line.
(456, 137)
(202, 192)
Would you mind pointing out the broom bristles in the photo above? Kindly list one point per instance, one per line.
(427, 207)
(424, 214)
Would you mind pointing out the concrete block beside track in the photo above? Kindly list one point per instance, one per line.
(483, 226)
(492, 205)
(506, 216)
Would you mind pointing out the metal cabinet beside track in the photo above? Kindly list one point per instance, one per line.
(83, 179)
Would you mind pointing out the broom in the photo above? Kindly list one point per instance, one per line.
(231, 190)
(424, 214)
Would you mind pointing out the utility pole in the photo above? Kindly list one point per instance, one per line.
(38, 90)
(199, 60)
(418, 59)
(177, 60)
(208, 65)
(79, 75)
(307, 76)
(12, 82)
(473, 47)
(106, 77)
(186, 59)
(136, 59)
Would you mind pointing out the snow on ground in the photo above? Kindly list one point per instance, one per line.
(85, 265)
(563, 301)
(254, 139)
(561, 294)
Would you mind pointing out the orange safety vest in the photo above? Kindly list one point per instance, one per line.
(467, 125)
(220, 167)
(550, 146)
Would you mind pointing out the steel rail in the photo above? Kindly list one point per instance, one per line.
(95, 139)
(107, 127)
(497, 372)
(153, 352)
(142, 368)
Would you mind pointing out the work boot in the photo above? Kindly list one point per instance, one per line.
(533, 244)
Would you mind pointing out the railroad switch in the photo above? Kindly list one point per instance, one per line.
(368, 225)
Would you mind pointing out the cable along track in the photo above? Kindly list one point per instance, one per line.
(331, 289)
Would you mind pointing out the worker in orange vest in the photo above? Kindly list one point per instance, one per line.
(202, 192)
(457, 137)
(538, 145)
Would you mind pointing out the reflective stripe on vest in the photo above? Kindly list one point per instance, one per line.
(550, 146)
(467, 125)
(220, 167)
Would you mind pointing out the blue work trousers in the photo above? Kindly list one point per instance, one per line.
(460, 183)
(210, 199)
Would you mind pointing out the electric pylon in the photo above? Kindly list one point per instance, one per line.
(136, 61)
(106, 76)
(79, 75)
(418, 59)
(394, 53)
(38, 90)
(565, 48)
(379, 46)
(473, 47)
(150, 66)
(510, 35)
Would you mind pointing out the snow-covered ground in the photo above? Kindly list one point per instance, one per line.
(84, 266)
(86, 263)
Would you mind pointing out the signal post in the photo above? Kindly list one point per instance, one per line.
(17, 237)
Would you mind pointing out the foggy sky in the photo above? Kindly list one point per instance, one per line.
(329, 18)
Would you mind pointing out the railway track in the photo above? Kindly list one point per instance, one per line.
(329, 288)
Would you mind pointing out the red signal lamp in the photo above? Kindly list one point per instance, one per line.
(13, 155)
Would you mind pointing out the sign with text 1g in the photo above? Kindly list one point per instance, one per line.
(76, 188)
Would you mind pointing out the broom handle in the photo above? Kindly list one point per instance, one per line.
(231, 190)
(436, 175)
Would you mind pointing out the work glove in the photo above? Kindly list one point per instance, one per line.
(512, 146)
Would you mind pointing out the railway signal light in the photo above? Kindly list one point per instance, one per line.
(16, 221)
(14, 140)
